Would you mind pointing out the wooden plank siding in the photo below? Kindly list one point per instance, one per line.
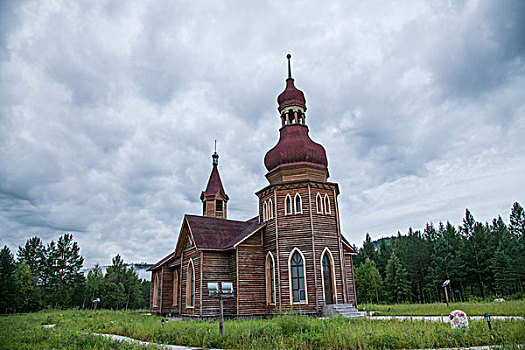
(217, 268)
(195, 255)
(252, 287)
(350, 278)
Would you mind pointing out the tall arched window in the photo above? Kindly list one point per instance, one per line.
(328, 277)
(297, 277)
(298, 204)
(190, 285)
(265, 217)
(156, 289)
(270, 279)
(327, 204)
(175, 286)
(319, 203)
(288, 205)
(270, 209)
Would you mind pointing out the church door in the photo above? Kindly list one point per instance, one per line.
(327, 279)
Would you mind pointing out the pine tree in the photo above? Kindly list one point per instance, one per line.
(383, 254)
(517, 251)
(396, 283)
(24, 287)
(7, 281)
(368, 282)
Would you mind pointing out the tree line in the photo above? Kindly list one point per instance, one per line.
(50, 276)
(481, 261)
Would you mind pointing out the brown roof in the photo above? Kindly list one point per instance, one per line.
(214, 183)
(162, 262)
(216, 233)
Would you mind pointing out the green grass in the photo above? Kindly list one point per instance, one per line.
(508, 308)
(282, 332)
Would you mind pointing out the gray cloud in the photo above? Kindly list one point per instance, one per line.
(108, 112)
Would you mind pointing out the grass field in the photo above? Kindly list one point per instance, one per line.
(508, 308)
(282, 332)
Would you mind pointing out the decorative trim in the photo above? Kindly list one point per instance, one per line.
(268, 282)
(332, 275)
(305, 302)
(297, 195)
(188, 281)
(288, 196)
(319, 203)
(326, 204)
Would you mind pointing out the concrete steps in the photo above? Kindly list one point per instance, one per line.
(344, 310)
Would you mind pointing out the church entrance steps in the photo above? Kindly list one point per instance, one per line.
(344, 310)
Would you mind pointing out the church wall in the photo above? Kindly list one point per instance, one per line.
(295, 232)
(352, 299)
(252, 285)
(325, 228)
(217, 268)
(195, 255)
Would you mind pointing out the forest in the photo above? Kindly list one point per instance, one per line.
(50, 276)
(482, 261)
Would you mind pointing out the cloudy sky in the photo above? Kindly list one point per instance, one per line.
(109, 109)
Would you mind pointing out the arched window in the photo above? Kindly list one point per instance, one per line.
(319, 203)
(190, 285)
(328, 277)
(298, 204)
(327, 204)
(175, 286)
(264, 212)
(288, 205)
(270, 279)
(297, 277)
(270, 207)
(156, 289)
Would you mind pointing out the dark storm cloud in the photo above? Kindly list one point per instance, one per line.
(108, 112)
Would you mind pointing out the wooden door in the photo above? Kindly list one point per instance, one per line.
(327, 279)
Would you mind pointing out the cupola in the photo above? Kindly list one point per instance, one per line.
(214, 198)
(304, 158)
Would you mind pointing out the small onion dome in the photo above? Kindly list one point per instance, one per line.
(291, 96)
(295, 146)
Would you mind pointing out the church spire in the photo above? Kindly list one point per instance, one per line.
(214, 198)
(292, 104)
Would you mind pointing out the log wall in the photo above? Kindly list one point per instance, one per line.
(217, 268)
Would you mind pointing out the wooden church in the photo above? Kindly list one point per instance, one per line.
(290, 256)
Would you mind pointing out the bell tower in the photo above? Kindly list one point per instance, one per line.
(214, 198)
(299, 207)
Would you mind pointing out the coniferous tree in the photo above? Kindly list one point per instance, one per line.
(396, 283)
(7, 281)
(383, 254)
(368, 282)
(517, 251)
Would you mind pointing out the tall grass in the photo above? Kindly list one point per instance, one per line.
(281, 332)
(508, 308)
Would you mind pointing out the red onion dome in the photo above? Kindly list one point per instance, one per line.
(295, 146)
(291, 96)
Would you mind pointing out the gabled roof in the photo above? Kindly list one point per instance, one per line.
(164, 260)
(218, 233)
(214, 184)
(348, 245)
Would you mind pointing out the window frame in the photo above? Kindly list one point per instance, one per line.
(290, 278)
(298, 197)
(270, 209)
(264, 218)
(270, 277)
(332, 268)
(175, 287)
(327, 205)
(319, 203)
(190, 281)
(288, 199)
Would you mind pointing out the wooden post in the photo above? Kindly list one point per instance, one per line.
(221, 316)
(446, 294)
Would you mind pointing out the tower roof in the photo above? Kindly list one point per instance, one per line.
(291, 95)
(294, 146)
(214, 183)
